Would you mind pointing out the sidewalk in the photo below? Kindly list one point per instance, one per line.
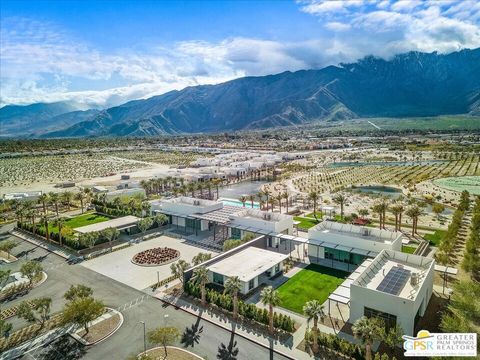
(286, 348)
(49, 247)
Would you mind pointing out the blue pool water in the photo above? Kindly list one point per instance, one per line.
(233, 202)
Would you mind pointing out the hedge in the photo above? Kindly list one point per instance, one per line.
(335, 343)
(249, 311)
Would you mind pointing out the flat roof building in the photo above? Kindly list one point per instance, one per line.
(251, 265)
(122, 223)
(396, 287)
(347, 246)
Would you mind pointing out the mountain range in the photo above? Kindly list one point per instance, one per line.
(413, 84)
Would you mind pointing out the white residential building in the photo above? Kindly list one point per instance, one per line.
(331, 243)
(396, 287)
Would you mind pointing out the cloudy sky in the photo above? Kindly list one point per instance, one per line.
(102, 53)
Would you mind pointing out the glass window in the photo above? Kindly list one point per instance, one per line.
(218, 278)
(236, 234)
(251, 284)
(389, 319)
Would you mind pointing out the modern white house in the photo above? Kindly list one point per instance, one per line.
(347, 246)
(252, 266)
(394, 286)
(194, 216)
(21, 196)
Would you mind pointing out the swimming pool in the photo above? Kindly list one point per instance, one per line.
(233, 202)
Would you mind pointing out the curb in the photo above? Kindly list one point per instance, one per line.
(23, 237)
(173, 347)
(229, 330)
(79, 339)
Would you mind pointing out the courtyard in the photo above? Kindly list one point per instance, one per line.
(315, 282)
(118, 265)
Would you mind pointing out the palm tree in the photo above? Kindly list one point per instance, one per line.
(43, 200)
(367, 330)
(31, 214)
(285, 196)
(209, 188)
(267, 194)
(200, 276)
(314, 197)
(191, 188)
(80, 196)
(200, 188)
(270, 297)
(252, 199)
(232, 286)
(243, 199)
(146, 207)
(54, 198)
(58, 222)
(44, 220)
(314, 310)
(279, 199)
(414, 212)
(67, 198)
(342, 200)
(397, 210)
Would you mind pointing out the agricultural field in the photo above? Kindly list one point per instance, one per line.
(468, 183)
(171, 158)
(327, 179)
(37, 170)
(313, 282)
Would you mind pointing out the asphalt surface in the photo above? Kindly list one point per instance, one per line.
(198, 336)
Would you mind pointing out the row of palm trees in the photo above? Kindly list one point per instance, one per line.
(267, 200)
(178, 186)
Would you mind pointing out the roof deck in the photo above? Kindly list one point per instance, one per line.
(396, 273)
(258, 215)
(333, 228)
(248, 264)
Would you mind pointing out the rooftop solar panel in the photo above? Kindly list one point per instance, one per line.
(394, 281)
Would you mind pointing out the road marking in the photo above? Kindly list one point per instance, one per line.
(133, 303)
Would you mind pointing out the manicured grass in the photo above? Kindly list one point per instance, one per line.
(408, 249)
(79, 221)
(435, 238)
(305, 223)
(318, 213)
(315, 282)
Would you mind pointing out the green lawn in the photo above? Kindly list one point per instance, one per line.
(315, 282)
(318, 213)
(408, 249)
(79, 221)
(305, 223)
(435, 238)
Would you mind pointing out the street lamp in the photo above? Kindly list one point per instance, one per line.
(144, 337)
(166, 318)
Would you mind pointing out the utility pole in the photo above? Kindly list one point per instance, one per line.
(144, 337)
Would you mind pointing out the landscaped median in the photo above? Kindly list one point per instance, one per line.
(173, 353)
(100, 328)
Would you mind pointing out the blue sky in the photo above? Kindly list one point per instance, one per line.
(106, 52)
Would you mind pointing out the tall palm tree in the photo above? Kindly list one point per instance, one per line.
(209, 188)
(233, 285)
(59, 222)
(44, 220)
(243, 200)
(397, 210)
(191, 188)
(67, 197)
(31, 214)
(314, 310)
(200, 276)
(80, 196)
(54, 199)
(251, 197)
(267, 194)
(43, 199)
(200, 188)
(285, 196)
(270, 297)
(414, 212)
(367, 330)
(279, 199)
(342, 200)
(314, 197)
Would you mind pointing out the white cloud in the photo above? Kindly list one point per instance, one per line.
(40, 62)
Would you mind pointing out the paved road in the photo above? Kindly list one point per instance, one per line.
(198, 336)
